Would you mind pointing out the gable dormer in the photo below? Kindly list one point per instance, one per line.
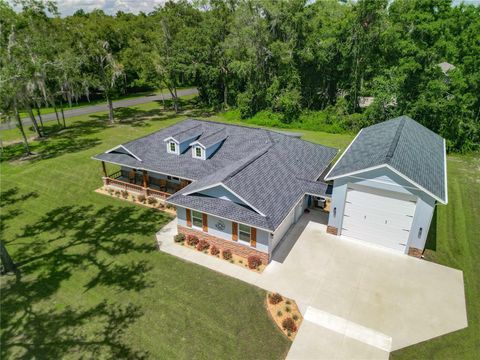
(178, 143)
(208, 144)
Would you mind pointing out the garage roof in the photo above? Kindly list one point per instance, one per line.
(403, 145)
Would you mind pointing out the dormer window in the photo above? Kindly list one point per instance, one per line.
(198, 152)
(172, 147)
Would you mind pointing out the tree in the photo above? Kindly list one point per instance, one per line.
(7, 262)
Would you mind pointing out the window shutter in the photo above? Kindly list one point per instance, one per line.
(234, 231)
(205, 222)
(189, 217)
(253, 237)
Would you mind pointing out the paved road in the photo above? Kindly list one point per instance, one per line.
(102, 107)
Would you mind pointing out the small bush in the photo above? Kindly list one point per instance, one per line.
(160, 205)
(110, 191)
(124, 194)
(279, 313)
(295, 317)
(289, 324)
(288, 302)
(202, 245)
(179, 238)
(152, 200)
(275, 298)
(117, 193)
(287, 309)
(192, 240)
(240, 261)
(214, 250)
(227, 254)
(141, 198)
(254, 262)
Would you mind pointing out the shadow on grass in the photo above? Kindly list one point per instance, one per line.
(431, 243)
(96, 245)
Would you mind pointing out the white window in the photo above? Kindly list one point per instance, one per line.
(244, 232)
(173, 147)
(197, 219)
(198, 152)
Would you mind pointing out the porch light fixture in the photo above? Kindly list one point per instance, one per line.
(334, 212)
(420, 233)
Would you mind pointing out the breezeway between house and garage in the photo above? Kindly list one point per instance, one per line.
(409, 301)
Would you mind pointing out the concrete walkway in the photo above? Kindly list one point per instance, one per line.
(358, 302)
(90, 109)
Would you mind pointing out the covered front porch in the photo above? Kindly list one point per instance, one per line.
(142, 182)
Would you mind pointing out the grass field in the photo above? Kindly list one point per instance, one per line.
(92, 283)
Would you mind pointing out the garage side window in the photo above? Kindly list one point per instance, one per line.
(244, 233)
(197, 219)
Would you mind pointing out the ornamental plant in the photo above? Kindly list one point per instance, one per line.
(202, 245)
(214, 250)
(254, 262)
(289, 324)
(275, 298)
(192, 240)
(179, 238)
(227, 254)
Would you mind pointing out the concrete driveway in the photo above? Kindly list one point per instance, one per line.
(358, 302)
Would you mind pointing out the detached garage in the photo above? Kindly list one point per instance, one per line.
(386, 185)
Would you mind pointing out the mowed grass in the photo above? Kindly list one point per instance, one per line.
(454, 240)
(91, 282)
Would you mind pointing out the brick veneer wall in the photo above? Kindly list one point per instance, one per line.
(415, 252)
(332, 230)
(222, 244)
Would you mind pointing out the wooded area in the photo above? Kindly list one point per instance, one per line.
(285, 57)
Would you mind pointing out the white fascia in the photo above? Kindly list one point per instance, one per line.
(124, 148)
(341, 156)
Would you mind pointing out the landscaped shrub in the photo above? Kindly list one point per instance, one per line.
(279, 313)
(160, 205)
(179, 238)
(227, 254)
(295, 317)
(124, 194)
(192, 240)
(288, 309)
(202, 245)
(141, 198)
(289, 324)
(110, 191)
(254, 262)
(214, 250)
(152, 200)
(117, 193)
(275, 298)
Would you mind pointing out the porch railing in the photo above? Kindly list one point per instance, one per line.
(134, 187)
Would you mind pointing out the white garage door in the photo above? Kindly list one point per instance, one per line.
(373, 216)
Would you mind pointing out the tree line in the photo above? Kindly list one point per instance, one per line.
(360, 62)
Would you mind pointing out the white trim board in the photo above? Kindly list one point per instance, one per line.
(124, 148)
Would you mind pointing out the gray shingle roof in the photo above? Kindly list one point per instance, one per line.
(264, 168)
(405, 145)
(208, 140)
(187, 134)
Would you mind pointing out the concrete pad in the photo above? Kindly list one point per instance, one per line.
(404, 298)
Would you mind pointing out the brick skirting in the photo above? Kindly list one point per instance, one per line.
(222, 244)
(415, 252)
(332, 230)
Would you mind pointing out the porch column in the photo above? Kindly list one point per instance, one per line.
(104, 169)
(145, 179)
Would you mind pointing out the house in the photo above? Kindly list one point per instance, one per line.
(239, 187)
(386, 185)
(242, 188)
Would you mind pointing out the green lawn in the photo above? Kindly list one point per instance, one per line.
(454, 240)
(92, 283)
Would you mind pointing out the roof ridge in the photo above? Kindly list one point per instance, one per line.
(183, 131)
(396, 138)
(211, 134)
(246, 163)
